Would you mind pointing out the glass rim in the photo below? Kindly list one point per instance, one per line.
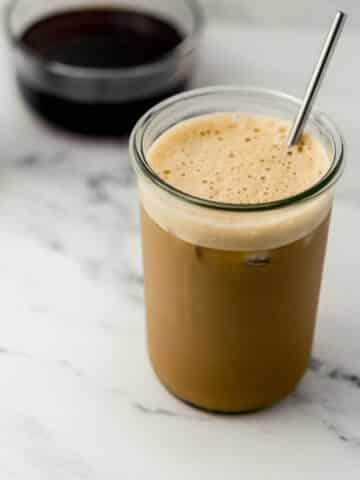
(185, 47)
(137, 152)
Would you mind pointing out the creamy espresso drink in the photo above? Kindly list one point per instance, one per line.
(232, 297)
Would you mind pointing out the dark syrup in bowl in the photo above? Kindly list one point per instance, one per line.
(108, 46)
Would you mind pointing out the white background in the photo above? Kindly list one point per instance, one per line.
(280, 12)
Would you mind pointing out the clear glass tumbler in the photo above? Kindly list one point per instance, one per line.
(231, 291)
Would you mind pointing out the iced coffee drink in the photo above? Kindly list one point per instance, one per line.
(232, 282)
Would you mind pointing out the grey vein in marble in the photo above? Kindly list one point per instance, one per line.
(334, 373)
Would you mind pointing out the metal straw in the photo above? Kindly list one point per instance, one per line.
(317, 77)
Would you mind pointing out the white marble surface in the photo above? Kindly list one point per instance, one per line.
(78, 399)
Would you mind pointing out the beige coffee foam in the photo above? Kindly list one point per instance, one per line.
(235, 158)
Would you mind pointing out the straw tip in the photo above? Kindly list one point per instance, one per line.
(342, 14)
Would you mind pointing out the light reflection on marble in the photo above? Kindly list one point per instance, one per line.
(78, 397)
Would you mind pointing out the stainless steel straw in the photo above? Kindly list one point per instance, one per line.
(316, 79)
